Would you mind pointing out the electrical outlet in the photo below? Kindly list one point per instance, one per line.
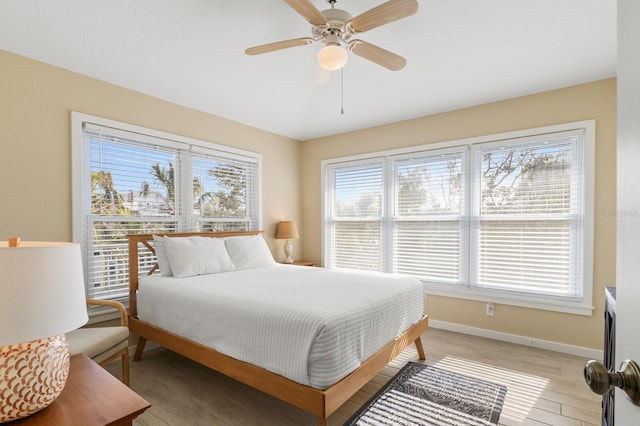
(491, 310)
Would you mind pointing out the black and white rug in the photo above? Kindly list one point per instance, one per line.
(425, 395)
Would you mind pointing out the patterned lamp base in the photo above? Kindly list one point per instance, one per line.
(33, 376)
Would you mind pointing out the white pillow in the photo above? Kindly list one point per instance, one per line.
(249, 252)
(197, 256)
(161, 255)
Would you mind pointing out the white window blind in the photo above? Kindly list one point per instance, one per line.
(132, 190)
(225, 193)
(529, 217)
(355, 219)
(133, 182)
(430, 204)
(507, 219)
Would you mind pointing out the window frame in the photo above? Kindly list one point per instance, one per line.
(461, 218)
(360, 165)
(581, 306)
(188, 149)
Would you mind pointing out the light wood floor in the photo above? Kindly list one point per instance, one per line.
(544, 387)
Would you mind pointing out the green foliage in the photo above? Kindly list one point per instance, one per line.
(105, 199)
(230, 199)
(526, 181)
(429, 188)
(166, 177)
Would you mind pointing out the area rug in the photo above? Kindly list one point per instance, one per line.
(425, 395)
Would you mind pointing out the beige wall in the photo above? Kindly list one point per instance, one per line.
(589, 101)
(35, 162)
(35, 169)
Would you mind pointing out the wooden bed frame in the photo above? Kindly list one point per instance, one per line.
(320, 403)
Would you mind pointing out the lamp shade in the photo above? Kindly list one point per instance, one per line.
(332, 57)
(287, 230)
(42, 291)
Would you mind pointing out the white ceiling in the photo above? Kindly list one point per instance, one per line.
(459, 53)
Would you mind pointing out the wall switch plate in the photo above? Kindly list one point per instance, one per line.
(491, 310)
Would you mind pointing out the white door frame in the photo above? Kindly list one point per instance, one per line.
(628, 200)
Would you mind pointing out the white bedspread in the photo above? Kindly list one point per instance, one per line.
(311, 325)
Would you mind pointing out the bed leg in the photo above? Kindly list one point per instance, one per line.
(322, 421)
(420, 349)
(139, 348)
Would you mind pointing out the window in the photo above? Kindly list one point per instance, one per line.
(528, 216)
(129, 179)
(356, 232)
(506, 218)
(429, 205)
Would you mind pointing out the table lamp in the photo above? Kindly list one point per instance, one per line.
(41, 298)
(287, 230)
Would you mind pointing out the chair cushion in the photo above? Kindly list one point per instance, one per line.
(95, 341)
(120, 348)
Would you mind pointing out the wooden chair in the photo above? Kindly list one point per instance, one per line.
(104, 344)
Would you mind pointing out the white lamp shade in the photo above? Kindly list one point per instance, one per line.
(41, 291)
(333, 57)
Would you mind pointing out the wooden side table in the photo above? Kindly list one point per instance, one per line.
(91, 397)
(306, 263)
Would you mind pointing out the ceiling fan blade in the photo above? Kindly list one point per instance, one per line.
(278, 45)
(387, 12)
(378, 55)
(308, 12)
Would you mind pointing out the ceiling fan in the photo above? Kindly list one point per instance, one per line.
(335, 28)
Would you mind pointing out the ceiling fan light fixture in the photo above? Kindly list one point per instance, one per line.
(334, 27)
(332, 57)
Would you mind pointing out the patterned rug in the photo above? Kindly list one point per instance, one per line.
(424, 395)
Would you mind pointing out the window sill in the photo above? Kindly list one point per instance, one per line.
(541, 303)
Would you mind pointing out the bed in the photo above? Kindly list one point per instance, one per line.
(303, 366)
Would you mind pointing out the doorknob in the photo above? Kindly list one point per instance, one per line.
(626, 378)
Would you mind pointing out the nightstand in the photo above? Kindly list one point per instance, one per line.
(306, 263)
(91, 397)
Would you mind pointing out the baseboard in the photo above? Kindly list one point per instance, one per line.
(521, 340)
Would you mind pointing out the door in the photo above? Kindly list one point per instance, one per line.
(628, 204)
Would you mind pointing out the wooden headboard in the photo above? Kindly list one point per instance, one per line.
(146, 240)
